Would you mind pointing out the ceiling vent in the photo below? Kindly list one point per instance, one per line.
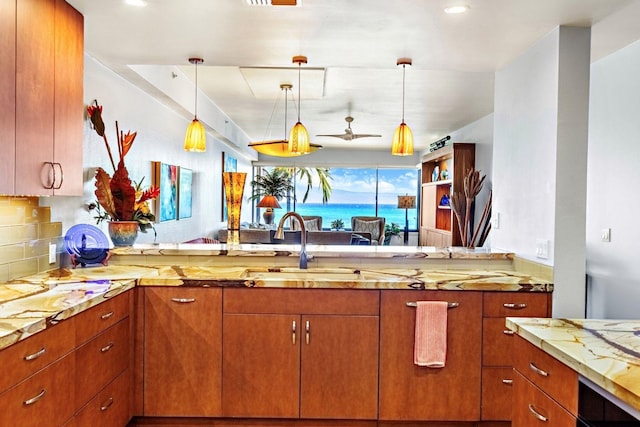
(274, 2)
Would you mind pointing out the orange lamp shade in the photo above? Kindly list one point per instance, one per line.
(269, 201)
(402, 144)
(196, 137)
(299, 140)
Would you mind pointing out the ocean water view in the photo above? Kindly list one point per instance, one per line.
(345, 211)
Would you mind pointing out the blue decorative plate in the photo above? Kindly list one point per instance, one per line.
(86, 244)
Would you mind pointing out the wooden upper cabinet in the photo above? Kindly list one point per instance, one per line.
(41, 97)
(182, 351)
(68, 99)
(409, 392)
(34, 96)
(7, 95)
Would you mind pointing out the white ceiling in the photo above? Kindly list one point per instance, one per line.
(352, 47)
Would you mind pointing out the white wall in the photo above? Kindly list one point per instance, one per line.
(612, 182)
(160, 138)
(539, 167)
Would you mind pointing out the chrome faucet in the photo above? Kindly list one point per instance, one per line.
(303, 242)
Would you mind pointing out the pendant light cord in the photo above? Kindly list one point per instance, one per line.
(299, 66)
(195, 113)
(403, 71)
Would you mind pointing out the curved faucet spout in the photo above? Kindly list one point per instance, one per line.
(303, 241)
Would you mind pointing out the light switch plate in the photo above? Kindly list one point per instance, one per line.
(495, 221)
(605, 234)
(542, 248)
(52, 253)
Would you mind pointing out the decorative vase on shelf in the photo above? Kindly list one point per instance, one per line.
(123, 233)
(234, 188)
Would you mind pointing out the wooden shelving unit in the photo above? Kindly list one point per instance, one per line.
(443, 174)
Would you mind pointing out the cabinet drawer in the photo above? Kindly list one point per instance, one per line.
(515, 304)
(100, 317)
(497, 385)
(45, 399)
(110, 407)
(101, 360)
(550, 375)
(26, 357)
(301, 301)
(532, 407)
(497, 342)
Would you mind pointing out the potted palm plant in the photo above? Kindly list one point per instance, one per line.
(270, 187)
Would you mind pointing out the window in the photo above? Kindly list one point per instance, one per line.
(358, 192)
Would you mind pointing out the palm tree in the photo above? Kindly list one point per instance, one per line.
(279, 182)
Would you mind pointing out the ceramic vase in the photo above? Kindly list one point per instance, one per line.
(234, 188)
(123, 233)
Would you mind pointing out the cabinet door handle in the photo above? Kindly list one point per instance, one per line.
(35, 398)
(183, 300)
(514, 305)
(307, 332)
(537, 414)
(35, 355)
(59, 186)
(537, 370)
(106, 347)
(293, 332)
(106, 404)
(507, 381)
(508, 332)
(53, 173)
(106, 315)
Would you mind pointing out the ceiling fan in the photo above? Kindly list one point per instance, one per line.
(348, 134)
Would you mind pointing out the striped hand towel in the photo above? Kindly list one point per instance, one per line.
(430, 346)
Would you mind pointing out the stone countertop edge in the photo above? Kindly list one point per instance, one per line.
(23, 317)
(606, 352)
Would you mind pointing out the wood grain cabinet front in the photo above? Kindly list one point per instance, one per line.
(533, 408)
(306, 353)
(110, 407)
(409, 392)
(44, 399)
(182, 352)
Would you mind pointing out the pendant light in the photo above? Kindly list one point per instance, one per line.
(280, 147)
(299, 137)
(403, 137)
(196, 137)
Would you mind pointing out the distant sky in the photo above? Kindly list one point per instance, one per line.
(359, 185)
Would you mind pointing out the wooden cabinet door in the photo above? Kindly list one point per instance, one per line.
(69, 106)
(339, 367)
(34, 96)
(497, 387)
(261, 365)
(110, 407)
(7, 95)
(410, 392)
(182, 352)
(428, 213)
(532, 407)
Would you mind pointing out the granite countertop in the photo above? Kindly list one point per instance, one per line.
(606, 352)
(30, 304)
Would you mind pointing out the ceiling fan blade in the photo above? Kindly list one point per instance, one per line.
(365, 135)
(344, 136)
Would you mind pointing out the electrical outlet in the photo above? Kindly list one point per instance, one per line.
(605, 234)
(542, 248)
(52, 253)
(495, 221)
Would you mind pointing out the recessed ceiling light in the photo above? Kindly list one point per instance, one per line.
(137, 3)
(456, 9)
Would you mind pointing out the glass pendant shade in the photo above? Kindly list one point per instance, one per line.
(299, 140)
(278, 148)
(402, 144)
(196, 138)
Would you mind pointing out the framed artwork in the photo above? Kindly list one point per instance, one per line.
(165, 177)
(229, 164)
(185, 184)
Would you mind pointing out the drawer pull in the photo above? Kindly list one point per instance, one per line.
(106, 404)
(107, 315)
(508, 332)
(507, 381)
(293, 332)
(35, 355)
(106, 347)
(183, 300)
(34, 399)
(537, 414)
(308, 332)
(514, 306)
(537, 370)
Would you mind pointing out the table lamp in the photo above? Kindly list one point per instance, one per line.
(406, 202)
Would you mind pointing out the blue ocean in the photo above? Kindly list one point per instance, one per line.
(345, 211)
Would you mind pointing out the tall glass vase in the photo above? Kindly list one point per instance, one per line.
(233, 189)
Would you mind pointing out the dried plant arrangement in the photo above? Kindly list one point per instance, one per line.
(462, 203)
